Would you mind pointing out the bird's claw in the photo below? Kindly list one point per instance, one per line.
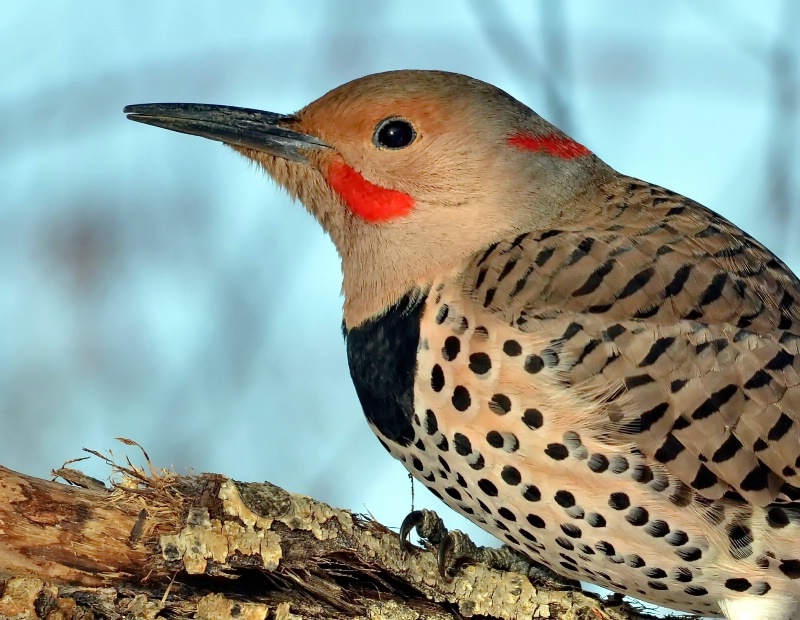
(414, 519)
(428, 524)
(456, 549)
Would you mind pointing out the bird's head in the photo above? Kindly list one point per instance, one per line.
(409, 172)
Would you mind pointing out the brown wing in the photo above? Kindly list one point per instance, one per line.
(694, 321)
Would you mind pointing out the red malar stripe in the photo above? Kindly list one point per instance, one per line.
(557, 146)
(367, 200)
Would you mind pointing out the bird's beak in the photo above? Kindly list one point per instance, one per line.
(253, 129)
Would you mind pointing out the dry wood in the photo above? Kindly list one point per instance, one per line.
(167, 546)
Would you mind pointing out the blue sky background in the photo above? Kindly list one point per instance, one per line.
(158, 287)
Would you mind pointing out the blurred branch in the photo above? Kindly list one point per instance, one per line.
(161, 545)
(783, 133)
(515, 50)
(724, 21)
(554, 40)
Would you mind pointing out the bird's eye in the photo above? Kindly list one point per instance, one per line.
(394, 133)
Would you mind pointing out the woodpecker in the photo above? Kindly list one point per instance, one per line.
(600, 372)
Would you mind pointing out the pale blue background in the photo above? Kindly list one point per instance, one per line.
(158, 287)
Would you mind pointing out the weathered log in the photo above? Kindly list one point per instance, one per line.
(163, 545)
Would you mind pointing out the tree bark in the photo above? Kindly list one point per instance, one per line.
(159, 545)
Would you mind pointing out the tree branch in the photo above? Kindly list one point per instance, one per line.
(166, 546)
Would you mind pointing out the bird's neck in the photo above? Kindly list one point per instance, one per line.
(382, 264)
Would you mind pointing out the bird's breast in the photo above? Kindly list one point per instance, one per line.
(498, 434)
(382, 355)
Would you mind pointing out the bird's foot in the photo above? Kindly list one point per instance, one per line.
(429, 526)
(507, 559)
(456, 549)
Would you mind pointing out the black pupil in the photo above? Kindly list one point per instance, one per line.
(395, 134)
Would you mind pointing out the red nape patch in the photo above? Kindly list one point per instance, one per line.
(557, 146)
(365, 199)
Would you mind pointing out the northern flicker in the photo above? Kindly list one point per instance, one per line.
(598, 371)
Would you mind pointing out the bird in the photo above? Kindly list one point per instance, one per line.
(598, 371)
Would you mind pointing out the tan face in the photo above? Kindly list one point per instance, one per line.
(410, 172)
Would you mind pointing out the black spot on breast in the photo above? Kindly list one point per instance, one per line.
(556, 451)
(461, 399)
(533, 418)
(657, 585)
(777, 517)
(677, 538)
(571, 530)
(431, 424)
(682, 495)
(534, 364)
(511, 475)
(437, 378)
(451, 348)
(738, 584)
(576, 512)
(382, 355)
(476, 461)
(526, 534)
(506, 514)
(453, 492)
(494, 439)
(595, 519)
(637, 516)
(536, 521)
(531, 493)
(642, 473)
(695, 590)
(488, 487)
(618, 464)
(619, 501)
(462, 444)
(790, 568)
(500, 404)
(480, 363)
(689, 554)
(512, 348)
(605, 547)
(760, 588)
(660, 483)
(565, 499)
(657, 528)
(598, 463)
